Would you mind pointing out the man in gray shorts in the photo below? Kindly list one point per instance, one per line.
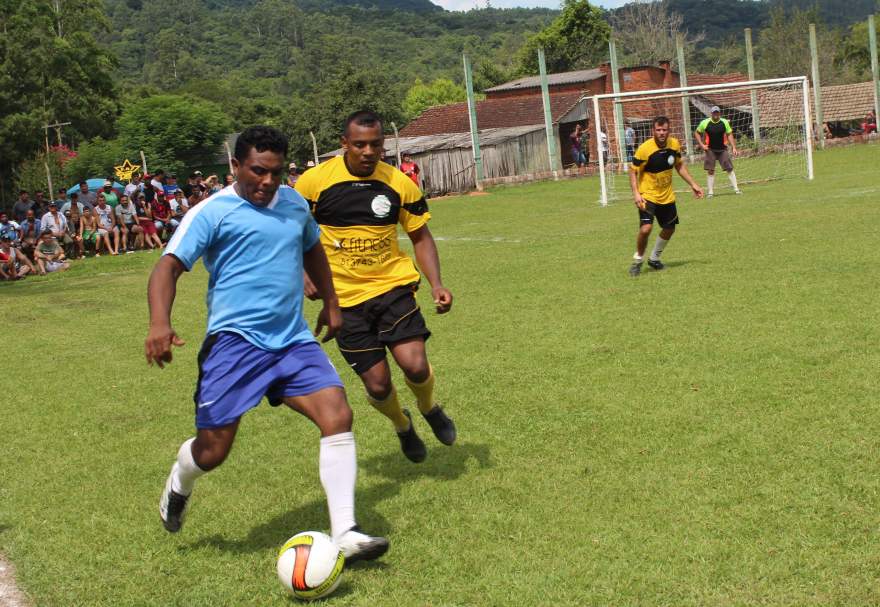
(713, 135)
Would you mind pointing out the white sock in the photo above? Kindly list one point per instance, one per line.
(337, 464)
(637, 258)
(710, 183)
(186, 470)
(732, 176)
(659, 245)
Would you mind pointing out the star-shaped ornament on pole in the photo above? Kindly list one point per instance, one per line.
(125, 170)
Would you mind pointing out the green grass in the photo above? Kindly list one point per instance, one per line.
(702, 436)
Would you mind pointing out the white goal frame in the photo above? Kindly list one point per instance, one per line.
(727, 86)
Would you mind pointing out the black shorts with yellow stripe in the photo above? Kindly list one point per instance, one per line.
(371, 326)
(666, 214)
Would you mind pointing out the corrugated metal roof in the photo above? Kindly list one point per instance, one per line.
(552, 80)
(449, 141)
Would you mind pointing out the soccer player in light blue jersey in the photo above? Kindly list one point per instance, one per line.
(255, 238)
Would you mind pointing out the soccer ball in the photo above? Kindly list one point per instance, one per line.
(310, 565)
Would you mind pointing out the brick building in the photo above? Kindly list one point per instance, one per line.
(518, 103)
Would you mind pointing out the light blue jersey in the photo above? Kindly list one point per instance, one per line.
(254, 258)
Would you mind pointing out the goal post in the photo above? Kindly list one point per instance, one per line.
(784, 149)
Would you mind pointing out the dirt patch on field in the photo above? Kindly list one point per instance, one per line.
(10, 595)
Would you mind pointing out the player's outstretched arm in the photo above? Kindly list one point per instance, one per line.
(317, 273)
(685, 174)
(160, 294)
(429, 262)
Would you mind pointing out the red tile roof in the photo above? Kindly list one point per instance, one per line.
(701, 79)
(491, 113)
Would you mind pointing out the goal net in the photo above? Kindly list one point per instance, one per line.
(770, 121)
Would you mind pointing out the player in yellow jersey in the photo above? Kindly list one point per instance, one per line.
(358, 201)
(650, 177)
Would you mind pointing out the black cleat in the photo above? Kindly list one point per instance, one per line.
(172, 507)
(410, 443)
(635, 269)
(656, 264)
(358, 546)
(443, 427)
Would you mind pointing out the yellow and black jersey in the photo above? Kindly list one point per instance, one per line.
(358, 218)
(655, 165)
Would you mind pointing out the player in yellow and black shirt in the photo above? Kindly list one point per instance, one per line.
(650, 177)
(358, 201)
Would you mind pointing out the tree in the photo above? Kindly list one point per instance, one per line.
(51, 69)
(577, 39)
(645, 33)
(175, 131)
(784, 46)
(421, 96)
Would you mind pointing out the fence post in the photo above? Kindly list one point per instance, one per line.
(750, 60)
(817, 93)
(685, 102)
(548, 115)
(618, 109)
(875, 71)
(472, 117)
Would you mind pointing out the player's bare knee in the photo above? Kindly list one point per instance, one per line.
(336, 419)
(210, 457)
(418, 372)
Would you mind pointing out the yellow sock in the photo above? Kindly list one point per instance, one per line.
(390, 408)
(424, 391)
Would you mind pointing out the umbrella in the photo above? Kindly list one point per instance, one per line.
(96, 184)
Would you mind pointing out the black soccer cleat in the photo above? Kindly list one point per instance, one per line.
(410, 443)
(172, 507)
(656, 264)
(443, 427)
(635, 269)
(358, 546)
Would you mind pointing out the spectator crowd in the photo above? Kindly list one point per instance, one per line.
(40, 236)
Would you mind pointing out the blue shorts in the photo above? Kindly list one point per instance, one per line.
(234, 375)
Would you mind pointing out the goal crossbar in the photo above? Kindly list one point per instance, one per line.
(685, 91)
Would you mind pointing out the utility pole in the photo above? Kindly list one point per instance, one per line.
(57, 126)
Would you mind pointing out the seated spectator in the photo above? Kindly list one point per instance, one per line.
(828, 131)
(157, 181)
(62, 202)
(126, 218)
(74, 200)
(85, 196)
(179, 205)
(31, 229)
(870, 124)
(107, 230)
(9, 229)
(213, 185)
(134, 187)
(89, 230)
(17, 263)
(41, 205)
(145, 219)
(110, 195)
(22, 205)
(49, 254)
(75, 232)
(170, 188)
(229, 179)
(55, 222)
(162, 217)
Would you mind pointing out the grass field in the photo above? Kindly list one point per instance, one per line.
(702, 436)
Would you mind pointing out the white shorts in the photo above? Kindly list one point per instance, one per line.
(54, 266)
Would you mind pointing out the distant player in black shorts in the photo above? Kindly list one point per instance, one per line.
(358, 200)
(650, 177)
(713, 135)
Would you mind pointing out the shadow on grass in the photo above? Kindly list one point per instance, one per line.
(446, 464)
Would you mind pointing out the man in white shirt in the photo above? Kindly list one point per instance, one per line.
(134, 186)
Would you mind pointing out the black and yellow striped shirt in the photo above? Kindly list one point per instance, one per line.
(358, 217)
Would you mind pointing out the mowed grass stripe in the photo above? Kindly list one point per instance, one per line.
(704, 435)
